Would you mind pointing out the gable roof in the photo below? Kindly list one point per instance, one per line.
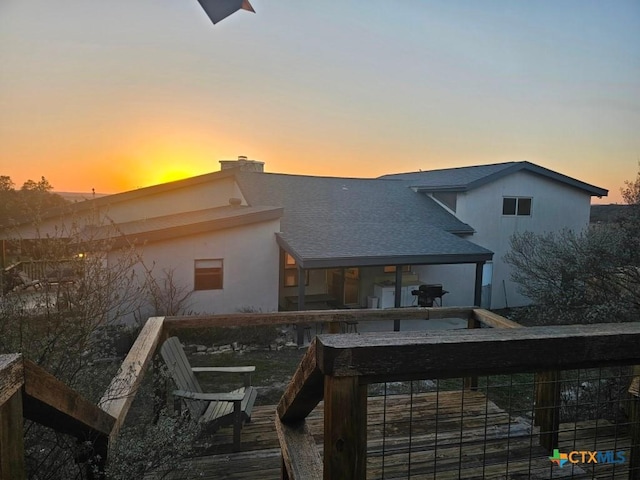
(467, 178)
(332, 222)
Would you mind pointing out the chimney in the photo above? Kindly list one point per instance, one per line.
(243, 164)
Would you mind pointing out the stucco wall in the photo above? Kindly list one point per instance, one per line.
(555, 206)
(195, 197)
(250, 256)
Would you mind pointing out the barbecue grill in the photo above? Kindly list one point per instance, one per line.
(428, 293)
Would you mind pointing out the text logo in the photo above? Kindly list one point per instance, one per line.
(586, 456)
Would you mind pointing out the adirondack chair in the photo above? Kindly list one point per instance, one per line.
(214, 410)
(26, 282)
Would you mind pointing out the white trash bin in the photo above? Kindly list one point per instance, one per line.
(372, 302)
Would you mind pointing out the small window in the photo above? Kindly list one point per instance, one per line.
(291, 272)
(516, 206)
(392, 269)
(524, 206)
(208, 275)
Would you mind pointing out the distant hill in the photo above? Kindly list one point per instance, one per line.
(607, 213)
(79, 196)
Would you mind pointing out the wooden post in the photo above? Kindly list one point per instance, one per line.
(477, 291)
(634, 433)
(471, 383)
(634, 425)
(547, 408)
(100, 453)
(345, 429)
(333, 327)
(12, 438)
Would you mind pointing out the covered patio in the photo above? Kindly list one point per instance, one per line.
(355, 269)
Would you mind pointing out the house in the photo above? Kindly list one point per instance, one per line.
(241, 238)
(499, 200)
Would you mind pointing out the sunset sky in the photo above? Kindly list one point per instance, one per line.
(119, 94)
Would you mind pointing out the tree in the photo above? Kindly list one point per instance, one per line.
(30, 201)
(592, 276)
(73, 324)
(631, 190)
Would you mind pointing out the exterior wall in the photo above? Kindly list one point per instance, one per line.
(195, 197)
(555, 207)
(250, 268)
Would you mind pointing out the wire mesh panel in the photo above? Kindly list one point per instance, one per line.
(442, 429)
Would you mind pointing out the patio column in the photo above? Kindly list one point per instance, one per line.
(477, 293)
(398, 296)
(301, 291)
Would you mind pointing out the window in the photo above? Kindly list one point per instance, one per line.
(516, 206)
(208, 274)
(291, 272)
(392, 269)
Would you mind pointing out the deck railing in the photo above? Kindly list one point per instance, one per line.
(336, 368)
(27, 391)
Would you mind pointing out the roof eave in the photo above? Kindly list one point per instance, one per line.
(379, 261)
(382, 260)
(170, 233)
(545, 172)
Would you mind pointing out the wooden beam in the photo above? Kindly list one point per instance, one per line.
(493, 320)
(173, 324)
(471, 383)
(300, 455)
(11, 375)
(442, 354)
(52, 403)
(11, 438)
(634, 425)
(345, 429)
(304, 391)
(123, 387)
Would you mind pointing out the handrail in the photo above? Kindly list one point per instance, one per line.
(314, 316)
(118, 397)
(493, 320)
(347, 363)
(27, 390)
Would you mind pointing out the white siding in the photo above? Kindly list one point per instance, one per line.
(555, 206)
(250, 256)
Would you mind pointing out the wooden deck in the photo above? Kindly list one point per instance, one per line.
(475, 439)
